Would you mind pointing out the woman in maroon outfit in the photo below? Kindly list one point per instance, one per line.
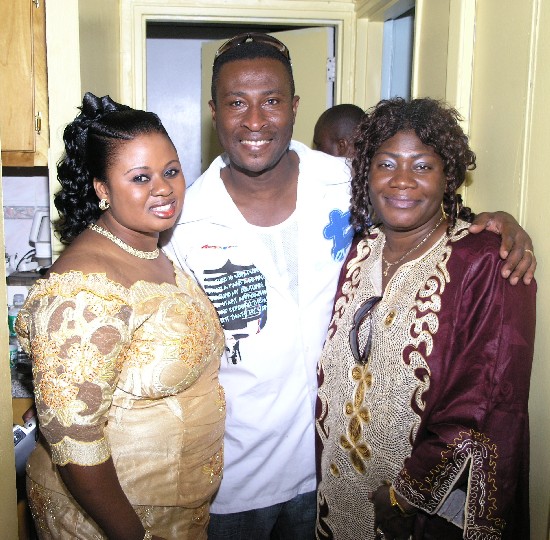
(425, 372)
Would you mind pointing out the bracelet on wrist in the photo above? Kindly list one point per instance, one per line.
(396, 506)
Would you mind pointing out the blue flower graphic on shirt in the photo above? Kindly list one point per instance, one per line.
(340, 232)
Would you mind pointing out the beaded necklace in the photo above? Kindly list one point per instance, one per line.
(129, 249)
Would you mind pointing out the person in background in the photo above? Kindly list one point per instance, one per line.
(333, 133)
(424, 377)
(265, 231)
(125, 347)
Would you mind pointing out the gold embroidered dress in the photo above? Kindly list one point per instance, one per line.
(130, 373)
(442, 400)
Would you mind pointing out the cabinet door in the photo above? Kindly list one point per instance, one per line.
(23, 83)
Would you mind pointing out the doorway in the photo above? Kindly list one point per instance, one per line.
(178, 91)
(397, 53)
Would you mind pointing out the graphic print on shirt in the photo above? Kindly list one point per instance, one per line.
(341, 233)
(240, 298)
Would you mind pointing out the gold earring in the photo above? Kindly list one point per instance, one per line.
(103, 204)
(443, 211)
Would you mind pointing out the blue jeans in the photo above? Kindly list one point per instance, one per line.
(291, 520)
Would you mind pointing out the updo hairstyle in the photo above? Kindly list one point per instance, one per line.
(92, 141)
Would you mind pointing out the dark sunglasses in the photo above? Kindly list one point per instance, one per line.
(364, 311)
(253, 36)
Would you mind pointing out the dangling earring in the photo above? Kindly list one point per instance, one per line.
(103, 204)
(443, 211)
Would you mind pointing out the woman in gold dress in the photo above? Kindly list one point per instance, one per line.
(125, 347)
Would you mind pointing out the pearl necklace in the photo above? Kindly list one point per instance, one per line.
(388, 265)
(129, 249)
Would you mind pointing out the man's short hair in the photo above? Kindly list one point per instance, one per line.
(249, 50)
(341, 119)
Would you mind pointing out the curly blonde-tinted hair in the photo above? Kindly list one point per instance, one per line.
(436, 125)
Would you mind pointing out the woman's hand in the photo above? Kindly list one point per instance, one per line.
(516, 246)
(390, 523)
(97, 489)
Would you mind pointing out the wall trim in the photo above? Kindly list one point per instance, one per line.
(136, 14)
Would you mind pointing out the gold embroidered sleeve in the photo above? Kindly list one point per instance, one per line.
(77, 329)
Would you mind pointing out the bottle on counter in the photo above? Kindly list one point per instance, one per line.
(13, 311)
(14, 351)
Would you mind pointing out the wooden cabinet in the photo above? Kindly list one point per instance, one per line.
(23, 83)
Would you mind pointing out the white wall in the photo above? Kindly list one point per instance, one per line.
(511, 135)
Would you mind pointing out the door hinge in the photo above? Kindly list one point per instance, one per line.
(36, 3)
(331, 69)
(38, 122)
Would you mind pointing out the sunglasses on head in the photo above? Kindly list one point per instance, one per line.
(364, 311)
(256, 37)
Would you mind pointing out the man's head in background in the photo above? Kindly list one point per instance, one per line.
(334, 129)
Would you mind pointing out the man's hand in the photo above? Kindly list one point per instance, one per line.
(516, 246)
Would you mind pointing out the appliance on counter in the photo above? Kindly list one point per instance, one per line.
(40, 236)
(37, 260)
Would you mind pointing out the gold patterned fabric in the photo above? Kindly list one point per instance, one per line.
(132, 374)
(442, 400)
(367, 419)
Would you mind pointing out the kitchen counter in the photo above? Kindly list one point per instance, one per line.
(21, 389)
(23, 278)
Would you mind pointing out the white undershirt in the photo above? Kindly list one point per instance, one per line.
(282, 242)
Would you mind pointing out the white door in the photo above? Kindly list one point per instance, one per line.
(309, 50)
(397, 56)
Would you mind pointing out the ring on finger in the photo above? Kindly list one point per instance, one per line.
(529, 251)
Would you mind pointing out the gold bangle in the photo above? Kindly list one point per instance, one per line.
(395, 504)
(148, 535)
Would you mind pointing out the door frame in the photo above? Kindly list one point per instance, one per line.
(136, 15)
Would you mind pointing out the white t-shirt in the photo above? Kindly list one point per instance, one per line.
(275, 315)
